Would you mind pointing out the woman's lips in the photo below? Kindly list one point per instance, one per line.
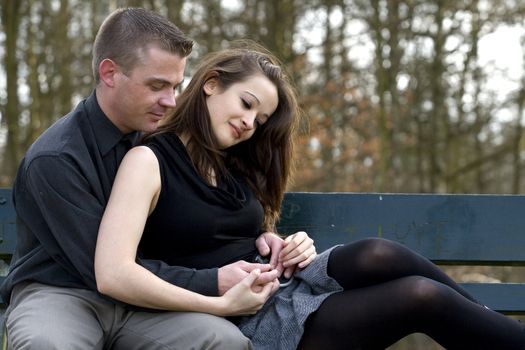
(236, 131)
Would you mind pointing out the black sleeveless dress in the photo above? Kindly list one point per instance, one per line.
(194, 224)
(198, 226)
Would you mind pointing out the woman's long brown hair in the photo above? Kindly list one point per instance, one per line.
(265, 160)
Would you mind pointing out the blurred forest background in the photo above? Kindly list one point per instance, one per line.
(400, 96)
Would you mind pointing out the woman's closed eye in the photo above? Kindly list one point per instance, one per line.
(260, 119)
(246, 104)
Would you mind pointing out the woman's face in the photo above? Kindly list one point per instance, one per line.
(237, 111)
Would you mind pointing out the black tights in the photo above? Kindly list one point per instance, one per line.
(391, 292)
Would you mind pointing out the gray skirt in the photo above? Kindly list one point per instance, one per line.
(280, 323)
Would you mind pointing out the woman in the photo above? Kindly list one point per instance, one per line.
(205, 186)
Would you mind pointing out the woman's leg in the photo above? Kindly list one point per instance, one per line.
(377, 316)
(371, 261)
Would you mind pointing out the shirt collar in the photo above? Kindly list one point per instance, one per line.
(107, 135)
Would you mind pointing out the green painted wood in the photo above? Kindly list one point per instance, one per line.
(7, 241)
(7, 223)
(508, 298)
(449, 229)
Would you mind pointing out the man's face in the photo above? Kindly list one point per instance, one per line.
(144, 96)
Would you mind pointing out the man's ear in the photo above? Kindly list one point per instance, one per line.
(107, 70)
(210, 86)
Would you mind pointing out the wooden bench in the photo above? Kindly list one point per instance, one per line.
(7, 238)
(448, 229)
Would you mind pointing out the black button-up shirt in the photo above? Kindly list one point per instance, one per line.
(60, 192)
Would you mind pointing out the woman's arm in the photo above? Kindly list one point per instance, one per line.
(133, 197)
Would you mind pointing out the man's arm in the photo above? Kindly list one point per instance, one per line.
(72, 212)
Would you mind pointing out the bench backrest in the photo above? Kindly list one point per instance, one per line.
(448, 229)
(7, 223)
(7, 231)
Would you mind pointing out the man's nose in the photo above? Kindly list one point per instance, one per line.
(168, 99)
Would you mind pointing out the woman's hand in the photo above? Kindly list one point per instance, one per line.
(232, 274)
(247, 297)
(299, 249)
(296, 251)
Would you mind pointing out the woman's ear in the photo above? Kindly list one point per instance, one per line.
(210, 86)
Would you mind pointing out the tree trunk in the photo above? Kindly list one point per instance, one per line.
(11, 19)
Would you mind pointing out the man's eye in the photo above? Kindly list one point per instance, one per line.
(156, 87)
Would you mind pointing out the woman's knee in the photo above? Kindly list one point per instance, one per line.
(380, 251)
(363, 262)
(427, 294)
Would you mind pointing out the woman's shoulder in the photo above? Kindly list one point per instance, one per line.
(164, 140)
(140, 156)
(139, 167)
(168, 147)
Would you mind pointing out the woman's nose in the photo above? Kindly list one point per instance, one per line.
(248, 120)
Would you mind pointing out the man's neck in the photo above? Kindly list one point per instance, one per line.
(103, 99)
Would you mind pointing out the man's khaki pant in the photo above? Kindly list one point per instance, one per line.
(47, 317)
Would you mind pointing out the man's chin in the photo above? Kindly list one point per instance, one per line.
(151, 127)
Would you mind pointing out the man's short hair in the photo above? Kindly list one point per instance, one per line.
(128, 32)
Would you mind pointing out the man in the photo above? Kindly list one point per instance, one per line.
(60, 192)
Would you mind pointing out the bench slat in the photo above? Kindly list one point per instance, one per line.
(448, 229)
(508, 298)
(7, 223)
